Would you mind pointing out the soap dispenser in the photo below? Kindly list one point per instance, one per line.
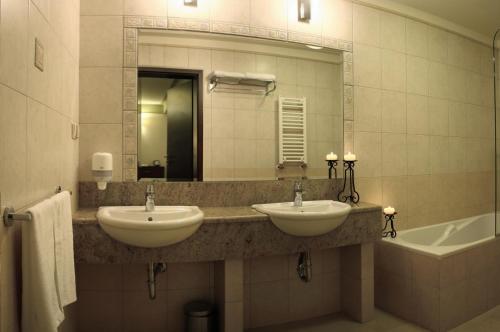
(102, 168)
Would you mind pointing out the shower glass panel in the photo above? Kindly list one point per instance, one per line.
(496, 84)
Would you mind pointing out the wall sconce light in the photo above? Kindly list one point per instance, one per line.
(304, 8)
(192, 3)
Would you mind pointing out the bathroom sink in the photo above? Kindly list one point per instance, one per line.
(164, 226)
(311, 219)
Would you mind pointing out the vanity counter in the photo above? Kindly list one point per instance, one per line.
(226, 232)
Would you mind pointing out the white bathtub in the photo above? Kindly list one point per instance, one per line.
(449, 237)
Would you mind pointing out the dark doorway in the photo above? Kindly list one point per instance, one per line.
(170, 145)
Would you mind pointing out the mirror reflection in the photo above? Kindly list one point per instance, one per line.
(168, 125)
(271, 109)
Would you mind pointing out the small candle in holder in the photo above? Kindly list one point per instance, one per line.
(350, 157)
(389, 210)
(331, 156)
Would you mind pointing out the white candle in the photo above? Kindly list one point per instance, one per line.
(389, 210)
(331, 156)
(349, 156)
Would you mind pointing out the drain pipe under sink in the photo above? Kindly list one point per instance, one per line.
(153, 270)
(304, 266)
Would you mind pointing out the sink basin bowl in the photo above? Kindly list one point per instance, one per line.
(164, 226)
(311, 219)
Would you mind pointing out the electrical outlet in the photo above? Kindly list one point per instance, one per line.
(39, 54)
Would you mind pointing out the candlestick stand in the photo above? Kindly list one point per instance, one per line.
(352, 195)
(392, 232)
(332, 165)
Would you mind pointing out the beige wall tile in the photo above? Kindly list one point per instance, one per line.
(393, 112)
(13, 151)
(101, 41)
(99, 277)
(416, 38)
(141, 313)
(368, 146)
(234, 11)
(438, 44)
(145, 7)
(366, 25)
(135, 278)
(13, 67)
(367, 66)
(269, 14)
(438, 116)
(417, 78)
(418, 154)
(269, 303)
(101, 95)
(98, 7)
(337, 20)
(188, 275)
(393, 71)
(367, 109)
(417, 114)
(392, 32)
(438, 80)
(439, 154)
(394, 154)
(100, 311)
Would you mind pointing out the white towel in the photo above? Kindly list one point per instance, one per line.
(260, 77)
(65, 264)
(226, 74)
(41, 310)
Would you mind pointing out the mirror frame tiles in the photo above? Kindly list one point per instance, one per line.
(131, 27)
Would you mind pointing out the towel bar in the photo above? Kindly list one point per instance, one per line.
(9, 215)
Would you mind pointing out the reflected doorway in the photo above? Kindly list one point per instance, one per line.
(170, 125)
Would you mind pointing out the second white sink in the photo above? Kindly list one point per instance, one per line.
(164, 226)
(311, 219)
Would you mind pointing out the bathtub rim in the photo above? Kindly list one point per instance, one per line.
(436, 251)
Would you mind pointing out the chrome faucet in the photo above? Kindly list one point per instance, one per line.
(298, 190)
(150, 198)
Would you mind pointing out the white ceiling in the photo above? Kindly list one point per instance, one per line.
(482, 16)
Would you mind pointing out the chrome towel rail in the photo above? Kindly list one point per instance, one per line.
(10, 216)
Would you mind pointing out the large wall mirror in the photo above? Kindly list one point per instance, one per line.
(209, 108)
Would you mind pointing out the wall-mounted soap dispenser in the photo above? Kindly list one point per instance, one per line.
(102, 168)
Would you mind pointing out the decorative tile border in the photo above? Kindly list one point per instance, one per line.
(230, 28)
(178, 23)
(159, 22)
(130, 57)
(268, 33)
(303, 38)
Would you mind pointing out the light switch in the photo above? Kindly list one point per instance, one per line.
(39, 54)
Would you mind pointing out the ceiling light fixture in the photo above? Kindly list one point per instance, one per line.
(315, 47)
(304, 9)
(192, 3)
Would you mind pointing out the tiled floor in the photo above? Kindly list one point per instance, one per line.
(383, 322)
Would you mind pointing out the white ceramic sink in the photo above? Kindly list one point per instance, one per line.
(311, 219)
(164, 226)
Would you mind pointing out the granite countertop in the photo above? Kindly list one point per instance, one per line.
(216, 215)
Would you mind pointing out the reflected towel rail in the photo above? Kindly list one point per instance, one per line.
(10, 216)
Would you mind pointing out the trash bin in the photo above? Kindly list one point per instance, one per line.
(199, 316)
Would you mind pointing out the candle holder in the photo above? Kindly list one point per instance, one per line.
(332, 165)
(352, 195)
(392, 232)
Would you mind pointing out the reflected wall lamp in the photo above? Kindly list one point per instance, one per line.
(304, 10)
(192, 3)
